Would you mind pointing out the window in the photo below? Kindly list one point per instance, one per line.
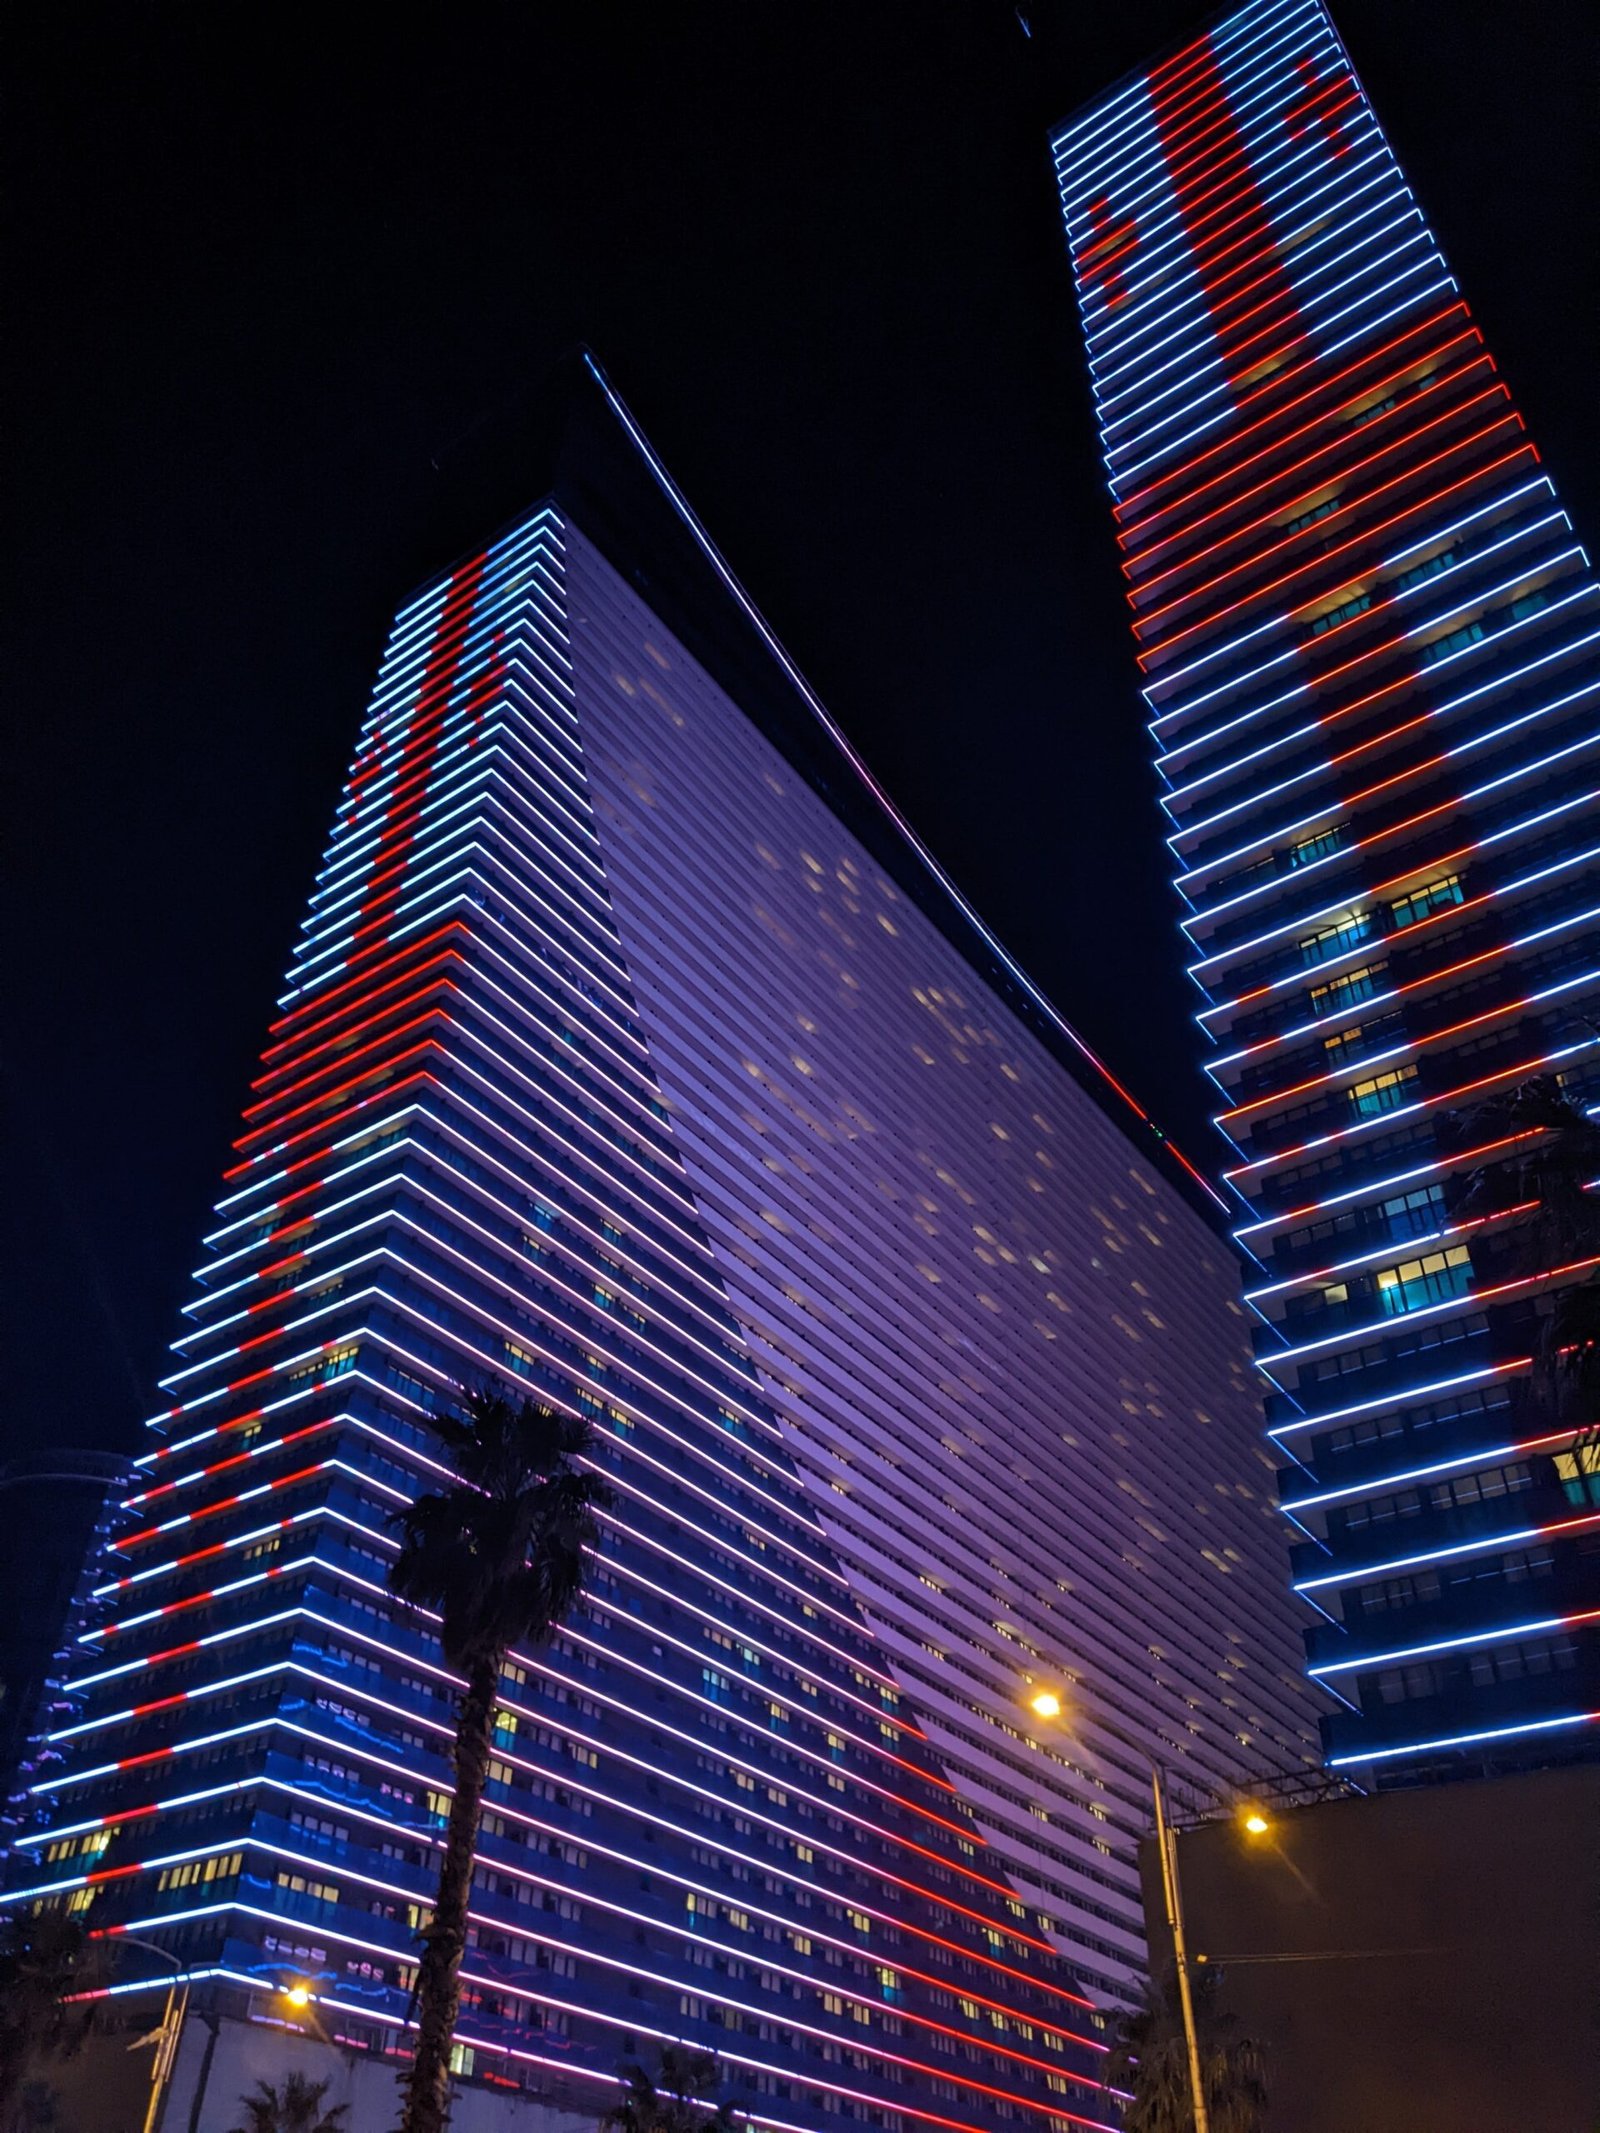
(1414, 1213)
(1343, 613)
(1402, 1683)
(1299, 523)
(1382, 1510)
(1486, 1487)
(1419, 573)
(1344, 1045)
(326, 1366)
(1457, 641)
(1434, 1278)
(1578, 1471)
(201, 1870)
(1515, 1662)
(1411, 1591)
(1329, 941)
(1371, 1429)
(1421, 903)
(300, 1885)
(1517, 1565)
(1317, 846)
(1347, 990)
(1383, 1092)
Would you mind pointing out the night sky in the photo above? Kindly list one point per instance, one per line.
(266, 267)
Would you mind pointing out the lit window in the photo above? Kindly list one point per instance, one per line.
(1317, 846)
(1435, 1278)
(1421, 903)
(1346, 990)
(1457, 641)
(1383, 1092)
(1343, 613)
(1329, 941)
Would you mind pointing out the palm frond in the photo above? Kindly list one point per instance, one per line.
(292, 2106)
(499, 1552)
(1149, 2058)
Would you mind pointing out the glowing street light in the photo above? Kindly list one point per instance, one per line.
(297, 1995)
(1256, 1823)
(1046, 1703)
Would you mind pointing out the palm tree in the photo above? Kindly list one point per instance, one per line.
(676, 2098)
(501, 1554)
(295, 2107)
(1149, 2058)
(45, 1957)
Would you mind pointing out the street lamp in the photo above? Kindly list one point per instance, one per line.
(1047, 1704)
(166, 2037)
(1172, 1890)
(1255, 1822)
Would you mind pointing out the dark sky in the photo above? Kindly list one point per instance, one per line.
(265, 265)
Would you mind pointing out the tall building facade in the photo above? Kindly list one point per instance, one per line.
(61, 1509)
(1370, 646)
(618, 1065)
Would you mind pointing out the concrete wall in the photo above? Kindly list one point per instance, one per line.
(1452, 1945)
(106, 2087)
(248, 2052)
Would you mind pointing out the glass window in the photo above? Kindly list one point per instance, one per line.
(1317, 846)
(1342, 613)
(1434, 1278)
(1419, 573)
(1347, 990)
(1578, 1471)
(1383, 1092)
(1457, 641)
(1329, 941)
(1421, 903)
(1415, 1212)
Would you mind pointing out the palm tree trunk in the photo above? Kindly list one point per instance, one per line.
(427, 2085)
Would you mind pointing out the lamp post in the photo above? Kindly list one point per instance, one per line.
(1172, 1891)
(1046, 1703)
(171, 2025)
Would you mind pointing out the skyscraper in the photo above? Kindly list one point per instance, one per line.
(619, 1064)
(60, 1509)
(1370, 644)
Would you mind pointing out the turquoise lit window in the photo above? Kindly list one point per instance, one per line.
(1578, 1471)
(1421, 903)
(1329, 941)
(1436, 1277)
(1419, 573)
(1457, 641)
(1335, 616)
(1383, 1092)
(1317, 846)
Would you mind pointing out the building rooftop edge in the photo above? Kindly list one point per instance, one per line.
(792, 716)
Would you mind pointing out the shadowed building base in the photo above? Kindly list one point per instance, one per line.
(1412, 1962)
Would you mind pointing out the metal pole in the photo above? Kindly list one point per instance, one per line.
(171, 2030)
(1167, 1841)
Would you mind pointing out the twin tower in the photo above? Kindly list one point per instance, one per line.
(635, 1055)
